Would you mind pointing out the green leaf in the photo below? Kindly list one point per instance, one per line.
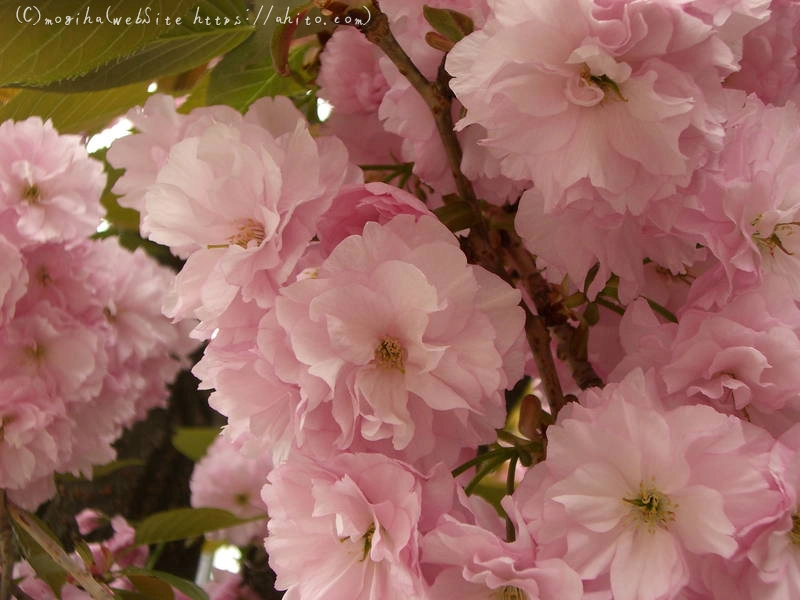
(591, 314)
(282, 37)
(152, 587)
(45, 567)
(451, 24)
(121, 218)
(35, 52)
(456, 216)
(246, 73)
(104, 470)
(180, 49)
(182, 585)
(85, 112)
(128, 595)
(184, 523)
(193, 442)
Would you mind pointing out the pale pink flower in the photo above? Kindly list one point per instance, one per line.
(617, 243)
(367, 142)
(403, 338)
(745, 208)
(13, 279)
(49, 186)
(224, 478)
(348, 528)
(350, 77)
(769, 56)
(471, 561)
(158, 128)
(631, 494)
(622, 95)
(229, 586)
(245, 202)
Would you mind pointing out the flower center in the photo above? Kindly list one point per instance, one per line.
(390, 354)
(248, 231)
(509, 592)
(367, 537)
(36, 352)
(652, 508)
(794, 534)
(241, 499)
(43, 276)
(32, 194)
(774, 240)
(603, 82)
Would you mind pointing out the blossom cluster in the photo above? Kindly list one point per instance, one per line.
(650, 151)
(84, 349)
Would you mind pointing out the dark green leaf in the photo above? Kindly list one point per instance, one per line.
(193, 442)
(152, 587)
(452, 24)
(184, 523)
(180, 49)
(182, 585)
(84, 112)
(591, 314)
(37, 53)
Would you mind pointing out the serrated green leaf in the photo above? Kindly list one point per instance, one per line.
(151, 586)
(182, 585)
(185, 523)
(33, 52)
(193, 442)
(451, 24)
(85, 112)
(180, 49)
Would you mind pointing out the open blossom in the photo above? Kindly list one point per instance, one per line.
(471, 561)
(593, 97)
(398, 337)
(632, 495)
(618, 243)
(745, 206)
(49, 186)
(349, 528)
(741, 359)
(224, 478)
(243, 200)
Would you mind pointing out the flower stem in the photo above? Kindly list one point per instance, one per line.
(7, 553)
(510, 484)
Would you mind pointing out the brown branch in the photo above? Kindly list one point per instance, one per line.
(485, 249)
(7, 553)
(571, 348)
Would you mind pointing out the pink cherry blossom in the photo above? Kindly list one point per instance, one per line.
(226, 479)
(49, 186)
(594, 97)
(355, 205)
(350, 77)
(348, 528)
(13, 279)
(402, 338)
(631, 494)
(473, 562)
(769, 56)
